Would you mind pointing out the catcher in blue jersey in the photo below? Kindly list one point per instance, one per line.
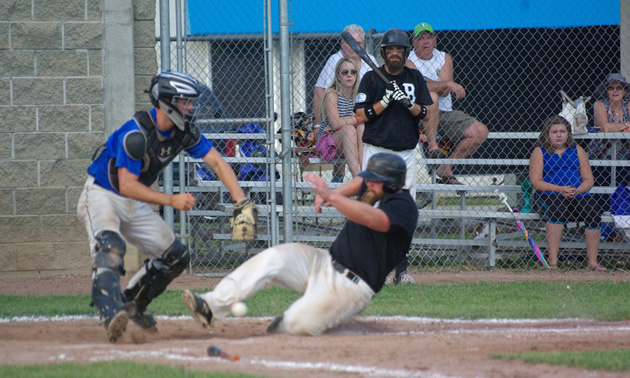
(115, 202)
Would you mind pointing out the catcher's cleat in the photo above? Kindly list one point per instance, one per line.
(117, 326)
(273, 326)
(144, 319)
(199, 308)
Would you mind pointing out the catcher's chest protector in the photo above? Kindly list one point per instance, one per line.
(159, 152)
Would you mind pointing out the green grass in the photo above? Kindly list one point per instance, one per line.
(615, 360)
(107, 370)
(515, 300)
(520, 300)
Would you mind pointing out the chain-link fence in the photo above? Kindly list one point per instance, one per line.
(512, 59)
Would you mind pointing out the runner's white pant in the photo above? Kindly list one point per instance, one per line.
(329, 298)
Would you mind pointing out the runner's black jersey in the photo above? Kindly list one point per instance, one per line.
(373, 254)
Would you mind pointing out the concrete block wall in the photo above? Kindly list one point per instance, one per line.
(52, 97)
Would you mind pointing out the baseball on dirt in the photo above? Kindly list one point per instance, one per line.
(239, 309)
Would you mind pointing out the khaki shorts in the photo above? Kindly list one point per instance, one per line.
(454, 124)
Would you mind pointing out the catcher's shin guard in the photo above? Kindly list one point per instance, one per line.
(110, 252)
(156, 275)
(106, 295)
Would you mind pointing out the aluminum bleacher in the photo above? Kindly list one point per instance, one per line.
(442, 228)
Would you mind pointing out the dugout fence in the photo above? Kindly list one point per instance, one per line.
(260, 66)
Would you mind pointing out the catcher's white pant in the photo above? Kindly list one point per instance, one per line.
(329, 298)
(409, 156)
(101, 209)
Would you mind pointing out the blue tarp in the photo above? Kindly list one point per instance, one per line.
(330, 16)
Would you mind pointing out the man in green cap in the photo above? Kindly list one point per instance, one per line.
(466, 133)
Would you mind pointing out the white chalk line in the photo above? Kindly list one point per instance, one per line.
(411, 319)
(286, 365)
(509, 331)
(71, 318)
(419, 320)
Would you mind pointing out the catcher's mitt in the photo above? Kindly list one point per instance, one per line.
(244, 220)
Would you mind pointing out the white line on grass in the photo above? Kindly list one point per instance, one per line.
(411, 319)
(287, 365)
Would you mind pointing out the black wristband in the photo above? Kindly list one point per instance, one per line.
(423, 112)
(370, 113)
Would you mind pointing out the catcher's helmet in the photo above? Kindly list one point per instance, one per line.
(387, 168)
(395, 37)
(167, 87)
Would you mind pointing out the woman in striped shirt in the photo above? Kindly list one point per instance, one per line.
(338, 117)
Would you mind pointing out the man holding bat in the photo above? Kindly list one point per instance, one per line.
(392, 107)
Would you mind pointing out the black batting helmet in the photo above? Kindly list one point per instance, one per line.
(166, 87)
(395, 37)
(387, 168)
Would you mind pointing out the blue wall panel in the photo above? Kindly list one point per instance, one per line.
(330, 16)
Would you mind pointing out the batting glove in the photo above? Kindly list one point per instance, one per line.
(401, 97)
(386, 100)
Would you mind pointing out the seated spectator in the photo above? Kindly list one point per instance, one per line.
(560, 173)
(338, 117)
(611, 111)
(465, 132)
(610, 114)
(327, 76)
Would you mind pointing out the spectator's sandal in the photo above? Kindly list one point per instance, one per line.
(449, 180)
(597, 268)
(436, 154)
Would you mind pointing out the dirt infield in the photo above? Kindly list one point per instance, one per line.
(387, 347)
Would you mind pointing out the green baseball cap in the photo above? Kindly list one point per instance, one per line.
(422, 27)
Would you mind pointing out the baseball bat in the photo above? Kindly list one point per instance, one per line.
(214, 351)
(521, 227)
(354, 45)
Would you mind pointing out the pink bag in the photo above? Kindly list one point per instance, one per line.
(327, 147)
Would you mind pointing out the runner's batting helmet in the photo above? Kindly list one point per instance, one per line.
(167, 87)
(395, 37)
(387, 168)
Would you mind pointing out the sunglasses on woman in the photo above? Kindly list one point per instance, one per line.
(345, 72)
